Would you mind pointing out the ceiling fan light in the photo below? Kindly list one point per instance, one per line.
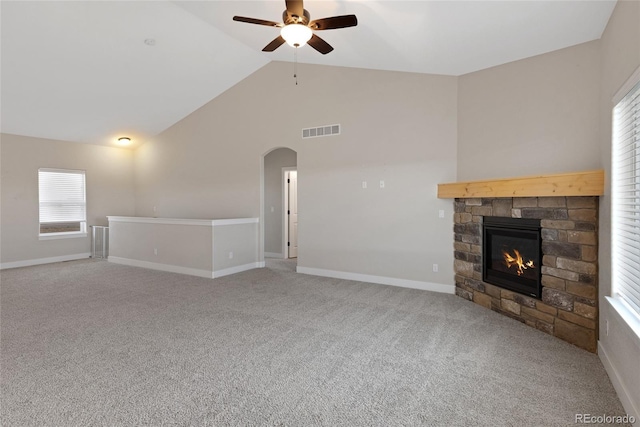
(296, 35)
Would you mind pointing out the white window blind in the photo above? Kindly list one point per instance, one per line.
(62, 197)
(626, 199)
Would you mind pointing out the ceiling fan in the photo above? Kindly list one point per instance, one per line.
(297, 27)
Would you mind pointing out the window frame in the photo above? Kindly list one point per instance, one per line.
(629, 313)
(82, 233)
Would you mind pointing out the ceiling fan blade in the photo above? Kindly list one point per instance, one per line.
(334, 22)
(295, 7)
(276, 43)
(256, 21)
(320, 45)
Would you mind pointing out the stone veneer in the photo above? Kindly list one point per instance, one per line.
(569, 305)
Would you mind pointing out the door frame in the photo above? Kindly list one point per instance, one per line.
(285, 205)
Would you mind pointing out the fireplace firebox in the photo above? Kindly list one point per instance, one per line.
(512, 254)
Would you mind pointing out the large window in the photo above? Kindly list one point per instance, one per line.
(626, 198)
(63, 206)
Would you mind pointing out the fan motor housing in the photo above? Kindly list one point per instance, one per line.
(294, 19)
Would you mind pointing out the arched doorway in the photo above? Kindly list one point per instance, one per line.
(275, 219)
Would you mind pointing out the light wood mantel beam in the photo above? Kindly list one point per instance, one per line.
(587, 183)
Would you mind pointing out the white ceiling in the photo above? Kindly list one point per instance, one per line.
(81, 71)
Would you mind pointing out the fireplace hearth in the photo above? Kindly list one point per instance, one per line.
(512, 255)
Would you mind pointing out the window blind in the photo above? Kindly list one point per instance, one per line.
(62, 196)
(626, 199)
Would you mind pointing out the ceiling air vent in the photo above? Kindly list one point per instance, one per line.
(327, 130)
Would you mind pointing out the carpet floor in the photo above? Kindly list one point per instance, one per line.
(90, 343)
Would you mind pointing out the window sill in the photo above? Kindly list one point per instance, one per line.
(628, 315)
(55, 236)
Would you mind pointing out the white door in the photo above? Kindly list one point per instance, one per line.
(292, 210)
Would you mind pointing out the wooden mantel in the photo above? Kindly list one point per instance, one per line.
(588, 183)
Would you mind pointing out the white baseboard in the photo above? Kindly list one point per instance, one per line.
(186, 270)
(381, 280)
(162, 267)
(237, 269)
(29, 262)
(273, 255)
(623, 394)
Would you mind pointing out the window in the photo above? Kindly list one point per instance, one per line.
(625, 227)
(63, 207)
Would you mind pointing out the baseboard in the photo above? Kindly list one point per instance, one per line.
(381, 280)
(186, 270)
(623, 394)
(29, 262)
(162, 267)
(237, 269)
(273, 255)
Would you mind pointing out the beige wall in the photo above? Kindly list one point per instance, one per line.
(274, 197)
(109, 180)
(537, 115)
(188, 246)
(620, 58)
(241, 240)
(202, 248)
(396, 127)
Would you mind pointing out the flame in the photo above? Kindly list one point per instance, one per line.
(517, 260)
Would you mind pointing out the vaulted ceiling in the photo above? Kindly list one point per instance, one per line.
(90, 71)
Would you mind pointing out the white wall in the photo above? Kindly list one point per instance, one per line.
(110, 191)
(274, 197)
(533, 116)
(397, 127)
(620, 348)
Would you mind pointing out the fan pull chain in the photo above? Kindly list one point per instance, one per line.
(295, 64)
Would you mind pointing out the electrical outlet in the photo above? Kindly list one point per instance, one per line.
(364, 184)
(381, 184)
(435, 268)
(441, 213)
(155, 251)
(231, 255)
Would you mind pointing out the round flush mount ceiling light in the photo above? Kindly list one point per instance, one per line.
(296, 35)
(124, 140)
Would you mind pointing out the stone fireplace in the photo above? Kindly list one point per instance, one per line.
(563, 209)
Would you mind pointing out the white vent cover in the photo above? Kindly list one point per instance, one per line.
(326, 130)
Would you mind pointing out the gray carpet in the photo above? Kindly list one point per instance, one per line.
(92, 343)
